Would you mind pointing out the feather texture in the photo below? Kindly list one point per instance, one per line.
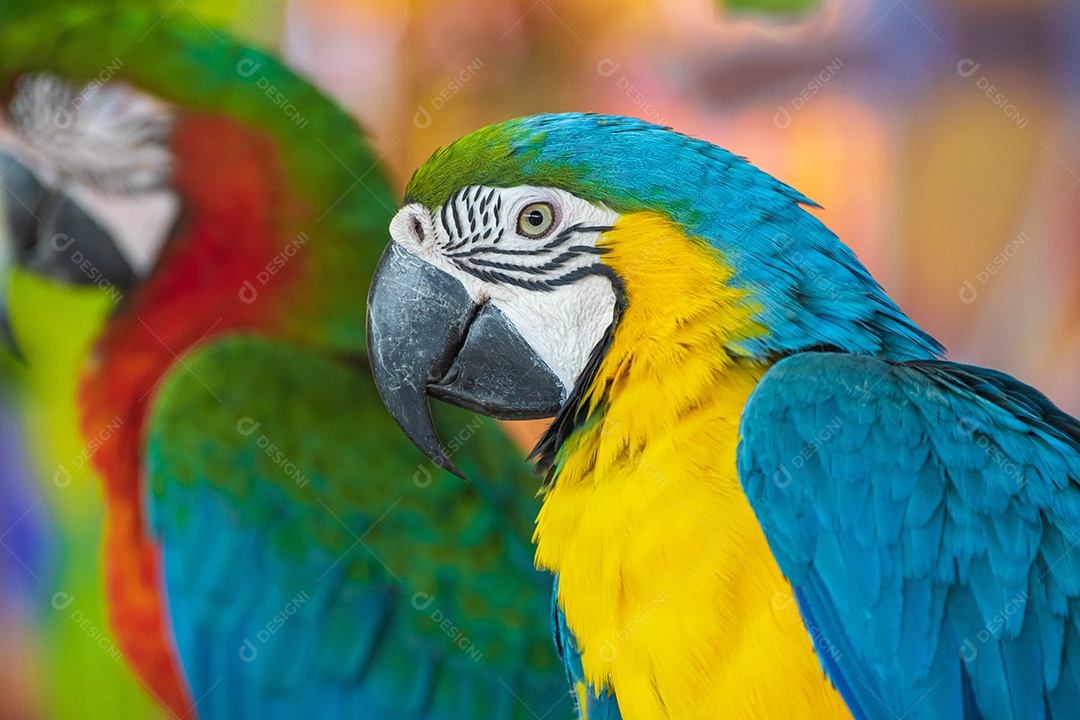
(952, 591)
(305, 567)
(666, 583)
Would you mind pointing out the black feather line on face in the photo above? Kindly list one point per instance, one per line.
(499, 278)
(539, 284)
(477, 218)
(561, 260)
(457, 218)
(562, 238)
(443, 221)
(574, 411)
(461, 242)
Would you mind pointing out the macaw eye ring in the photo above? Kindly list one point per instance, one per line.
(536, 220)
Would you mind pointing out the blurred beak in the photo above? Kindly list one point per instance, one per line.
(21, 196)
(51, 236)
(428, 338)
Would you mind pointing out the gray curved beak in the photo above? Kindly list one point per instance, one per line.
(21, 197)
(427, 338)
(50, 235)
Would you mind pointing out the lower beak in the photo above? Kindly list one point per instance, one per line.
(49, 234)
(428, 338)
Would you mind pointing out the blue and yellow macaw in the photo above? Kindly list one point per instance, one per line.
(767, 495)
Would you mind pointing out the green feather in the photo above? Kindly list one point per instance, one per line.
(299, 453)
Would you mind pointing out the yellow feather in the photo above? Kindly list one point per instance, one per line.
(665, 576)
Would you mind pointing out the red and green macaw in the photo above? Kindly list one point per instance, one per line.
(767, 494)
(270, 545)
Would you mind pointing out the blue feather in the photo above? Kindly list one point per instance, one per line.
(958, 584)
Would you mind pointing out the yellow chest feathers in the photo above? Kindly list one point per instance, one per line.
(665, 576)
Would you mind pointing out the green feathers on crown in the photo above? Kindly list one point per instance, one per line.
(489, 156)
(505, 154)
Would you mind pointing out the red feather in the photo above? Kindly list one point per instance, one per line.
(236, 201)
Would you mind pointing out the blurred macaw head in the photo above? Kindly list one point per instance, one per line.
(523, 250)
(86, 206)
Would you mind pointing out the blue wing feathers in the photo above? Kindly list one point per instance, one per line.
(837, 642)
(1063, 702)
(931, 534)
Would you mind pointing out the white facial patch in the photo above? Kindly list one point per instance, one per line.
(564, 325)
(138, 224)
(106, 147)
(531, 252)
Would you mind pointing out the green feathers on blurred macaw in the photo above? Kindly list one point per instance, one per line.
(270, 544)
(767, 496)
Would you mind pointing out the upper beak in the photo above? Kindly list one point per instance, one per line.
(49, 234)
(428, 338)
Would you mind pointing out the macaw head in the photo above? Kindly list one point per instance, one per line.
(525, 251)
(85, 202)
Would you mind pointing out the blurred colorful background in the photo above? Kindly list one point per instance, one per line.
(941, 137)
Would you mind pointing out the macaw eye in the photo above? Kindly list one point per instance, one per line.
(536, 220)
